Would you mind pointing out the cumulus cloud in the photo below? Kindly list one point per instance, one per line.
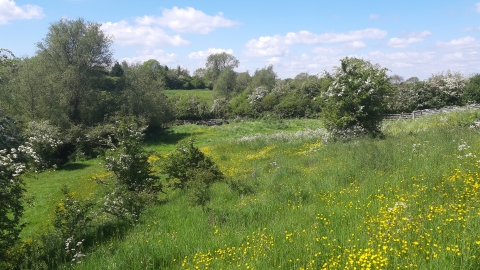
(187, 20)
(465, 41)
(127, 35)
(273, 61)
(327, 50)
(9, 11)
(277, 45)
(159, 55)
(412, 37)
(358, 44)
(204, 54)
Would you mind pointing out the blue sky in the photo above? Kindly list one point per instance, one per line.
(411, 38)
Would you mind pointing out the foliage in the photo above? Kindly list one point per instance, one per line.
(43, 140)
(72, 216)
(10, 133)
(265, 77)
(127, 159)
(11, 200)
(190, 107)
(6, 57)
(407, 96)
(444, 89)
(76, 54)
(354, 103)
(187, 165)
(218, 62)
(255, 98)
(471, 93)
(143, 97)
(225, 84)
(219, 108)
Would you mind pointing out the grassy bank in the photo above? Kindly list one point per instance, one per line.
(303, 201)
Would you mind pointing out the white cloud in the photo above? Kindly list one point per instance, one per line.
(413, 37)
(465, 41)
(273, 61)
(478, 7)
(277, 45)
(127, 35)
(356, 44)
(205, 54)
(327, 50)
(9, 11)
(374, 16)
(187, 20)
(160, 55)
(453, 56)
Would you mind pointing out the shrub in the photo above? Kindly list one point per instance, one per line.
(127, 159)
(72, 216)
(354, 103)
(188, 168)
(44, 141)
(190, 107)
(11, 200)
(472, 90)
(134, 179)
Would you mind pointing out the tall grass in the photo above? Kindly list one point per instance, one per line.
(410, 200)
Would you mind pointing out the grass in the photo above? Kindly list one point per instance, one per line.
(204, 94)
(410, 200)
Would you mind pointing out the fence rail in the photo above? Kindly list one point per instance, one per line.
(419, 113)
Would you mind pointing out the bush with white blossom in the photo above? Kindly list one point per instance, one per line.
(354, 103)
(43, 140)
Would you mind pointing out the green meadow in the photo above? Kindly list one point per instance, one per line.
(204, 94)
(293, 199)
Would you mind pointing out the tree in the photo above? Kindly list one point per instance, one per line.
(143, 96)
(218, 62)
(354, 103)
(265, 77)
(225, 84)
(472, 90)
(77, 54)
(242, 81)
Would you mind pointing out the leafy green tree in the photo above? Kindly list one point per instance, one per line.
(218, 62)
(117, 70)
(143, 96)
(242, 81)
(355, 102)
(77, 54)
(225, 84)
(472, 90)
(265, 77)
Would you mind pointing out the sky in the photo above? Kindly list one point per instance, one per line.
(410, 38)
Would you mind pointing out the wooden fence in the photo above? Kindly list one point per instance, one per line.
(416, 114)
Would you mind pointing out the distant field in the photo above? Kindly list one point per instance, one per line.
(204, 94)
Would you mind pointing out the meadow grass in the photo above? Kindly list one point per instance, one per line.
(410, 200)
(204, 94)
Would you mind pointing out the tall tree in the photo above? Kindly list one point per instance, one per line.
(218, 62)
(225, 84)
(78, 54)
